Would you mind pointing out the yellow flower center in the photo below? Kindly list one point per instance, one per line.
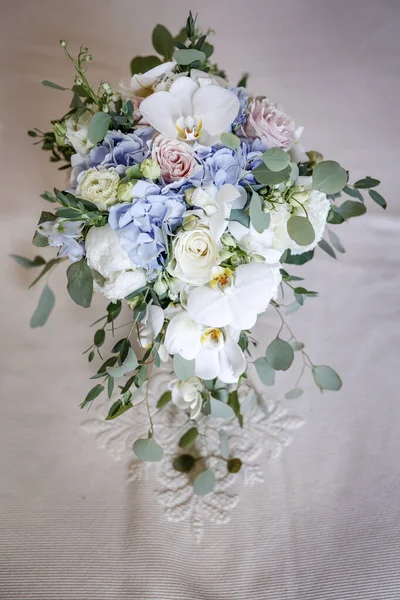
(189, 128)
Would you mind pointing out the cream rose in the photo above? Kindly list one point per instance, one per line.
(175, 158)
(100, 186)
(195, 253)
(268, 122)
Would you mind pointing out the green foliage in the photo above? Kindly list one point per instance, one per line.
(279, 354)
(40, 241)
(366, 183)
(294, 393)
(265, 372)
(233, 402)
(336, 243)
(299, 259)
(93, 394)
(27, 263)
(99, 338)
(183, 369)
(54, 86)
(258, 218)
(234, 465)
(46, 269)
(188, 438)
(220, 410)
(186, 57)
(98, 127)
(238, 214)
(300, 230)
(130, 364)
(148, 450)
(224, 443)
(164, 399)
(230, 140)
(44, 308)
(276, 159)
(204, 483)
(80, 283)
(329, 177)
(118, 409)
(184, 463)
(376, 197)
(350, 208)
(353, 192)
(266, 176)
(243, 81)
(323, 244)
(163, 41)
(326, 378)
(141, 64)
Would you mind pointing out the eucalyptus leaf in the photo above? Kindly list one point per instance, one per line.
(230, 140)
(336, 243)
(296, 345)
(27, 263)
(279, 354)
(110, 385)
(323, 244)
(186, 57)
(326, 378)
(130, 364)
(47, 267)
(141, 64)
(183, 369)
(99, 337)
(98, 127)
(188, 438)
(353, 192)
(268, 177)
(240, 216)
(224, 443)
(184, 463)
(293, 307)
(258, 218)
(376, 197)
(276, 159)
(44, 308)
(92, 394)
(220, 410)
(204, 483)
(248, 401)
(148, 450)
(118, 409)
(366, 183)
(300, 230)
(164, 399)
(350, 208)
(162, 41)
(294, 393)
(329, 177)
(234, 465)
(80, 283)
(299, 259)
(39, 240)
(54, 86)
(264, 371)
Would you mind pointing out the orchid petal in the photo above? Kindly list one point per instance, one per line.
(183, 89)
(243, 317)
(182, 336)
(162, 110)
(232, 362)
(207, 363)
(155, 319)
(209, 307)
(254, 286)
(216, 106)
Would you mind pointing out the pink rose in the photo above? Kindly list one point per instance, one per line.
(268, 122)
(175, 158)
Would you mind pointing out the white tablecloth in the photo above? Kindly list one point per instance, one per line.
(317, 519)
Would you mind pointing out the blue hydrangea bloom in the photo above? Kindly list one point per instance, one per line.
(144, 225)
(243, 97)
(221, 165)
(251, 151)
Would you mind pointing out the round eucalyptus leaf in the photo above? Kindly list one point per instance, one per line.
(301, 230)
(276, 159)
(230, 140)
(293, 394)
(351, 208)
(329, 177)
(264, 371)
(220, 410)
(279, 354)
(266, 176)
(148, 450)
(326, 378)
(184, 463)
(98, 127)
(204, 483)
(259, 219)
(188, 56)
(44, 308)
(234, 465)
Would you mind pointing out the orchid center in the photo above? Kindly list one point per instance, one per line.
(189, 128)
(212, 339)
(223, 279)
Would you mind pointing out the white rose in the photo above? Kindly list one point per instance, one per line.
(122, 284)
(187, 395)
(77, 133)
(99, 186)
(195, 253)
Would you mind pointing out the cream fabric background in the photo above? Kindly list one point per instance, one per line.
(324, 525)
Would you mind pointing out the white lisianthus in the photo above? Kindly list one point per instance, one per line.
(217, 204)
(105, 256)
(215, 351)
(187, 395)
(77, 133)
(254, 243)
(190, 112)
(233, 298)
(194, 253)
(142, 84)
(100, 186)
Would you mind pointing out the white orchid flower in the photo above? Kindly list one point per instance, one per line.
(191, 112)
(233, 299)
(187, 394)
(151, 325)
(215, 351)
(253, 242)
(203, 78)
(217, 205)
(142, 83)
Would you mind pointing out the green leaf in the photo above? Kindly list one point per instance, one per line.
(53, 85)
(130, 364)
(268, 177)
(162, 41)
(334, 218)
(204, 483)
(110, 385)
(326, 378)
(224, 443)
(296, 345)
(233, 402)
(208, 49)
(243, 81)
(46, 269)
(141, 64)
(148, 450)
(293, 307)
(376, 197)
(98, 127)
(165, 398)
(234, 465)
(40, 241)
(329, 177)
(80, 283)
(300, 230)
(336, 243)
(258, 218)
(327, 248)
(188, 438)
(276, 159)
(237, 214)
(279, 355)
(44, 308)
(248, 401)
(27, 263)
(353, 192)
(186, 57)
(299, 259)
(350, 208)
(92, 394)
(183, 369)
(366, 183)
(230, 140)
(99, 337)
(184, 463)
(264, 371)
(118, 409)
(220, 410)
(293, 394)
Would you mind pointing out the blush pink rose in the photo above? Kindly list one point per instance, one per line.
(268, 122)
(175, 158)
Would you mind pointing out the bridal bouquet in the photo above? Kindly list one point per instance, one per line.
(187, 202)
